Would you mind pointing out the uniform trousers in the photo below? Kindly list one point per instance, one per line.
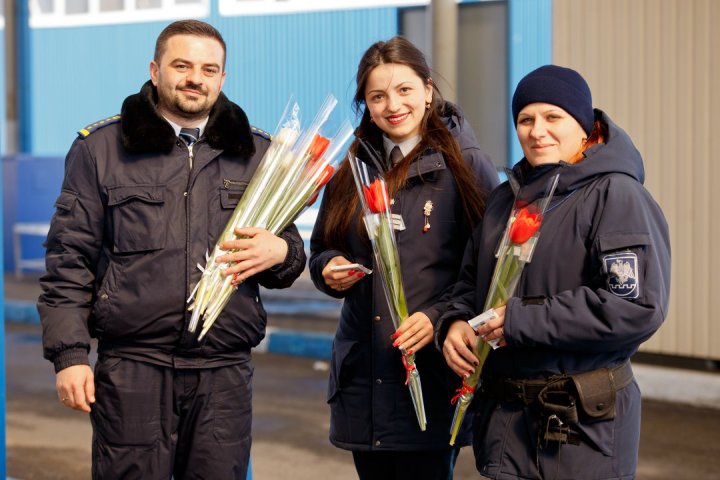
(398, 465)
(154, 422)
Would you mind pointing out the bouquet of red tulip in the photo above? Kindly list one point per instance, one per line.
(516, 249)
(294, 169)
(375, 203)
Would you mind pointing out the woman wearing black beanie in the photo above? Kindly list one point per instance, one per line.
(557, 399)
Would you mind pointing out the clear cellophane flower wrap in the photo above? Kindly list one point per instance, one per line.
(375, 205)
(515, 250)
(295, 167)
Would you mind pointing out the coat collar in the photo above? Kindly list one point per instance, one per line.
(424, 165)
(144, 130)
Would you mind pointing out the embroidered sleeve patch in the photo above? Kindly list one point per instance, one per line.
(622, 274)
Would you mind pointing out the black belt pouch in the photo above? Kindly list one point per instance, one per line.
(596, 394)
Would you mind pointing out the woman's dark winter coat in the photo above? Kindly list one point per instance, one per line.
(572, 312)
(371, 407)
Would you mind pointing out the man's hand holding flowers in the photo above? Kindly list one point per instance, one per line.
(254, 251)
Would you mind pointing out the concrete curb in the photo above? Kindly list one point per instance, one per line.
(21, 311)
(317, 345)
(676, 385)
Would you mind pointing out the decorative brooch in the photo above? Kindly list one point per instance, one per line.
(427, 210)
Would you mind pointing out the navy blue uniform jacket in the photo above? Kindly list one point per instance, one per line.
(571, 313)
(370, 404)
(132, 223)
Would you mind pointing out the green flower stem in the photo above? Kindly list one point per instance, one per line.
(388, 261)
(506, 267)
(391, 266)
(501, 288)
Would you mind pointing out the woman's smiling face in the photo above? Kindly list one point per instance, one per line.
(396, 97)
(548, 134)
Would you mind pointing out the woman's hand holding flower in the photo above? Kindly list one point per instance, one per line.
(414, 333)
(461, 338)
(458, 348)
(494, 329)
(255, 251)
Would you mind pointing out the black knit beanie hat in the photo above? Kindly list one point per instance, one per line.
(559, 86)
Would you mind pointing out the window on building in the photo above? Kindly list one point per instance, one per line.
(111, 5)
(76, 6)
(73, 13)
(269, 7)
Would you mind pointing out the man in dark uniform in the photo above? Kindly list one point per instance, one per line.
(145, 195)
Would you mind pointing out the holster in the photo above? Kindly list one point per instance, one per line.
(597, 389)
(557, 405)
(563, 401)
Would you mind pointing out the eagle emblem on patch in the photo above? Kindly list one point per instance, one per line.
(622, 274)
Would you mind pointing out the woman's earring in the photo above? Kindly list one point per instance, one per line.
(584, 141)
(427, 106)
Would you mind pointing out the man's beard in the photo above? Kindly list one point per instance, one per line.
(190, 109)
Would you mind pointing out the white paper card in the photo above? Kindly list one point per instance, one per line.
(482, 319)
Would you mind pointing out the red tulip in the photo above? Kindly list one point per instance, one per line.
(375, 196)
(318, 147)
(324, 178)
(524, 226)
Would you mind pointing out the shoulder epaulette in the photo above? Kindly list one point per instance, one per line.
(260, 132)
(98, 125)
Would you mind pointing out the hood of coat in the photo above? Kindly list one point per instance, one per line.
(617, 155)
(144, 130)
(458, 126)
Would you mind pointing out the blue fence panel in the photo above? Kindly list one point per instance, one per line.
(31, 186)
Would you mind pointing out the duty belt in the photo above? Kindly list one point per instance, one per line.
(527, 391)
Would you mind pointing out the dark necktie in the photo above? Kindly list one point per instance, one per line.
(189, 135)
(395, 156)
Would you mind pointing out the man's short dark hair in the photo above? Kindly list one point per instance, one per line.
(187, 27)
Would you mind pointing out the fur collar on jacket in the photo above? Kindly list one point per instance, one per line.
(144, 130)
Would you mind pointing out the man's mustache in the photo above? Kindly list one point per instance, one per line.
(193, 86)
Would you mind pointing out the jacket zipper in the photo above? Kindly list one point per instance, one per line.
(190, 156)
(227, 183)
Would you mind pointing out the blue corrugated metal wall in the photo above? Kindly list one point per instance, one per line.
(76, 76)
(306, 55)
(80, 75)
(529, 46)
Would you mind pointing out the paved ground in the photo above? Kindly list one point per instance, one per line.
(45, 441)
(48, 442)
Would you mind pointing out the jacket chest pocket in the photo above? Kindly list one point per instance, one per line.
(231, 192)
(137, 218)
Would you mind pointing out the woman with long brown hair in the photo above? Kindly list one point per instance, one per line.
(438, 178)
